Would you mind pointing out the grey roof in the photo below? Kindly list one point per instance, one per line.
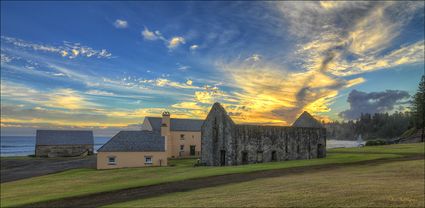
(307, 120)
(135, 141)
(63, 137)
(177, 124)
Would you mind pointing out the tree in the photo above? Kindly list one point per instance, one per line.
(418, 107)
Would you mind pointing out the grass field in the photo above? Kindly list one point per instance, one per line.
(394, 184)
(404, 149)
(85, 181)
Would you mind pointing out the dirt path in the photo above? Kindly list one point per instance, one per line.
(105, 198)
(15, 169)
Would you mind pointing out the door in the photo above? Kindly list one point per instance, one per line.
(222, 158)
(192, 150)
(319, 151)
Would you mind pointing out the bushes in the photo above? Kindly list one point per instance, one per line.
(376, 142)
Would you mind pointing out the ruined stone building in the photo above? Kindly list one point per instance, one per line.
(225, 143)
(63, 143)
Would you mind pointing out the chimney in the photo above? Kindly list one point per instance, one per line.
(165, 123)
(165, 131)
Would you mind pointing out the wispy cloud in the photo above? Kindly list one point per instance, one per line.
(171, 43)
(58, 98)
(352, 37)
(188, 105)
(100, 92)
(182, 67)
(267, 93)
(5, 58)
(67, 49)
(254, 58)
(334, 41)
(150, 35)
(120, 24)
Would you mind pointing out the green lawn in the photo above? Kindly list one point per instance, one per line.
(394, 184)
(85, 181)
(417, 148)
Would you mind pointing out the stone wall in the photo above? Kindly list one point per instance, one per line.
(63, 150)
(217, 137)
(274, 143)
(225, 143)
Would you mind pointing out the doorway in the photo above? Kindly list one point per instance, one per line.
(244, 157)
(192, 150)
(274, 156)
(222, 157)
(320, 151)
(259, 156)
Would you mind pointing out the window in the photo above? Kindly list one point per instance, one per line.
(193, 136)
(181, 147)
(111, 160)
(148, 160)
(181, 136)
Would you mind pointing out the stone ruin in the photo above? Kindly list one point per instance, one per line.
(225, 143)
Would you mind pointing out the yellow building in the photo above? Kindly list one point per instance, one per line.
(182, 136)
(133, 149)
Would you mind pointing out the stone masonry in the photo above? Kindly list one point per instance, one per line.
(63, 150)
(226, 143)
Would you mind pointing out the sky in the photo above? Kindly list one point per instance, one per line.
(106, 65)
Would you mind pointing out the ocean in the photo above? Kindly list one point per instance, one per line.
(25, 145)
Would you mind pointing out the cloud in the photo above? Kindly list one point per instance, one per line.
(171, 43)
(175, 42)
(182, 67)
(162, 82)
(100, 93)
(373, 102)
(63, 98)
(67, 49)
(346, 38)
(5, 58)
(66, 98)
(188, 105)
(254, 58)
(204, 97)
(120, 24)
(150, 35)
(271, 94)
(194, 47)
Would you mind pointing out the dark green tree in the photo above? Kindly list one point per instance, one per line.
(418, 106)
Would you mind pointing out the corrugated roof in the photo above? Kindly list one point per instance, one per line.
(135, 141)
(63, 137)
(177, 124)
(307, 120)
